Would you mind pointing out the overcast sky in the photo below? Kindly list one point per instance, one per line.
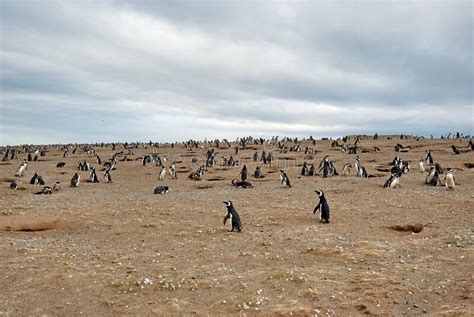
(87, 71)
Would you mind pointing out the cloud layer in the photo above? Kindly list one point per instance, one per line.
(82, 71)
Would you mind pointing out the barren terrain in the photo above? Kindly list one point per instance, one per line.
(118, 249)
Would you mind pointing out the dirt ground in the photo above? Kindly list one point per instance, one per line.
(118, 249)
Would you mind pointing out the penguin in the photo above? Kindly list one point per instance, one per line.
(107, 175)
(421, 166)
(37, 180)
(244, 173)
(161, 189)
(455, 150)
(258, 172)
(312, 170)
(304, 170)
(22, 168)
(433, 177)
(57, 186)
(14, 185)
(429, 157)
(255, 156)
(172, 171)
(285, 180)
(449, 180)
(243, 184)
(46, 190)
(162, 173)
(361, 171)
(76, 179)
(97, 159)
(346, 169)
(393, 181)
(322, 206)
(93, 176)
(61, 164)
(233, 216)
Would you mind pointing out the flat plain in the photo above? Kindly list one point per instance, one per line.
(118, 249)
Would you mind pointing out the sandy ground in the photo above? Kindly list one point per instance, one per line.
(118, 249)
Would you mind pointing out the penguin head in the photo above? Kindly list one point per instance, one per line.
(319, 192)
(228, 203)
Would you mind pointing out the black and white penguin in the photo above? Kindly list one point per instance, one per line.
(322, 206)
(37, 180)
(243, 184)
(57, 186)
(244, 173)
(162, 173)
(75, 180)
(393, 181)
(14, 185)
(449, 180)
(433, 177)
(258, 172)
(421, 166)
(46, 190)
(233, 216)
(361, 171)
(285, 180)
(22, 168)
(108, 175)
(93, 176)
(161, 189)
(312, 170)
(455, 150)
(429, 157)
(304, 170)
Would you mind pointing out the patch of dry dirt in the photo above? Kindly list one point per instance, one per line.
(114, 249)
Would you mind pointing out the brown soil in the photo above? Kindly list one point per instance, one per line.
(118, 249)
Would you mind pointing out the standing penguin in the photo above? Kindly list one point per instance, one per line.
(93, 176)
(449, 180)
(258, 173)
(322, 206)
(421, 166)
(285, 180)
(162, 173)
(433, 177)
(244, 173)
(76, 179)
(429, 157)
(393, 181)
(233, 215)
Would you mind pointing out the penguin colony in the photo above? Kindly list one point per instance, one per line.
(326, 169)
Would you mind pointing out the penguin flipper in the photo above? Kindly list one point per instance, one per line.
(226, 218)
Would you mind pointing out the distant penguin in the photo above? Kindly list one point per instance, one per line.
(46, 190)
(37, 180)
(56, 186)
(393, 181)
(322, 206)
(107, 175)
(14, 185)
(61, 164)
(233, 216)
(244, 173)
(429, 157)
(433, 177)
(76, 179)
(449, 180)
(285, 180)
(97, 159)
(22, 168)
(258, 173)
(421, 166)
(161, 189)
(93, 176)
(455, 150)
(243, 184)
(162, 174)
(304, 170)
(346, 169)
(312, 170)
